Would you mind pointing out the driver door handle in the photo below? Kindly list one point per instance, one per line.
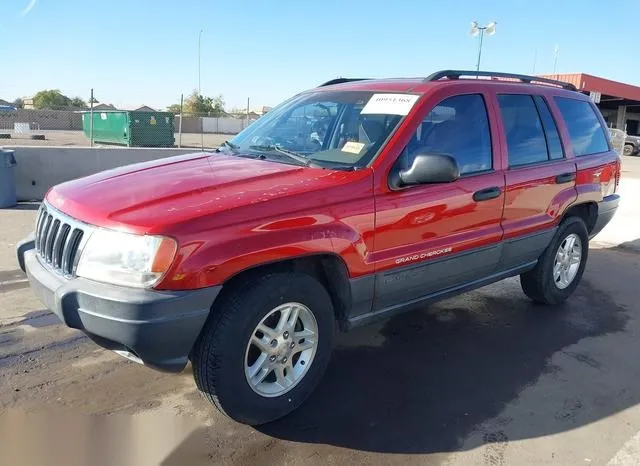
(487, 194)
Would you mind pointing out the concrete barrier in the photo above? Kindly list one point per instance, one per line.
(39, 168)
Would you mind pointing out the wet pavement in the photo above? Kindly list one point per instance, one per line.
(483, 378)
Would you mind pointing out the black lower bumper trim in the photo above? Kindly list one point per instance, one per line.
(606, 209)
(158, 327)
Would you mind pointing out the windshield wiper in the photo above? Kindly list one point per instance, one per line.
(289, 153)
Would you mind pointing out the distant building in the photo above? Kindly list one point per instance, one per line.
(100, 106)
(143, 108)
(262, 110)
(27, 103)
(619, 102)
(6, 106)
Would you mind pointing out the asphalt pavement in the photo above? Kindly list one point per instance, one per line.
(486, 378)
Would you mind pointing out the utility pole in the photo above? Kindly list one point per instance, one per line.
(200, 91)
(180, 125)
(556, 52)
(247, 112)
(91, 120)
(199, 54)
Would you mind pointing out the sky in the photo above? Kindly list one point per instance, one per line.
(135, 52)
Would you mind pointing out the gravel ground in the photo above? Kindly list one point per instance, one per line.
(486, 378)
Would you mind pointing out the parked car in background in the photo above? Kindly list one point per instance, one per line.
(348, 203)
(631, 145)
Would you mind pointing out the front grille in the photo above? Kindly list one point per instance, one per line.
(58, 239)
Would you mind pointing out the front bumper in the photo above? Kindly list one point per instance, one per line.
(156, 328)
(606, 209)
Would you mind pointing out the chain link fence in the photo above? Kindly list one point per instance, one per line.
(107, 125)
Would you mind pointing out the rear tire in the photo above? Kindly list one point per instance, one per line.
(232, 337)
(553, 280)
(628, 150)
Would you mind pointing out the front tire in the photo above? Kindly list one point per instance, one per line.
(561, 265)
(265, 347)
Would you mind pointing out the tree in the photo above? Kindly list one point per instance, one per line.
(50, 99)
(77, 102)
(204, 106)
(18, 103)
(175, 108)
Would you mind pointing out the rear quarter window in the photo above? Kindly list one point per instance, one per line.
(586, 133)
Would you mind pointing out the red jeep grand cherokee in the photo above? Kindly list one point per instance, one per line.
(347, 203)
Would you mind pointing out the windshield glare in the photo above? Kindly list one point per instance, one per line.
(328, 128)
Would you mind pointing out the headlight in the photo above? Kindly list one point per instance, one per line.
(126, 259)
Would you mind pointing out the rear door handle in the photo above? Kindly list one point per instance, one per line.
(486, 194)
(565, 178)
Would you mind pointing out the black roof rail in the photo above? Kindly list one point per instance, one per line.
(455, 74)
(341, 80)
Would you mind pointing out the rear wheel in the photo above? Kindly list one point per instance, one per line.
(561, 266)
(628, 149)
(265, 348)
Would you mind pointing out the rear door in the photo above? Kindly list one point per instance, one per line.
(435, 236)
(540, 178)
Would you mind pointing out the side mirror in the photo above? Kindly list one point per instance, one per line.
(426, 168)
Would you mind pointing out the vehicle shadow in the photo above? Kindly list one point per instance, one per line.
(424, 381)
(31, 205)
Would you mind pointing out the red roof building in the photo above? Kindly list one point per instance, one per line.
(618, 102)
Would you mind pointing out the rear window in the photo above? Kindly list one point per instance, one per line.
(586, 133)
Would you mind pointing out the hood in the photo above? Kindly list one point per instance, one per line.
(148, 197)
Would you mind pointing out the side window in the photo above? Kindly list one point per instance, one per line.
(457, 126)
(586, 133)
(554, 144)
(525, 137)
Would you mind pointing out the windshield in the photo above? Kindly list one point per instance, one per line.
(338, 129)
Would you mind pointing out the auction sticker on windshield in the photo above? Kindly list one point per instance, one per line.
(390, 104)
(353, 147)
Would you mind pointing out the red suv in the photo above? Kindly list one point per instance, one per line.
(347, 203)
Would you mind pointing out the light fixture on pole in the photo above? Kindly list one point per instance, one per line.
(477, 30)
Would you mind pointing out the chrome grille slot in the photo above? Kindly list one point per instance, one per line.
(61, 239)
(51, 237)
(58, 240)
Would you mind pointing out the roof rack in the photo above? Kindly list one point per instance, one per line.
(455, 74)
(340, 81)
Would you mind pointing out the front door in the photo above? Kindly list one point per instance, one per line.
(429, 238)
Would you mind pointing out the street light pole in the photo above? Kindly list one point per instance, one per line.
(477, 30)
(480, 49)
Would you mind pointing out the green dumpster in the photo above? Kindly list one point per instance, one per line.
(130, 128)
